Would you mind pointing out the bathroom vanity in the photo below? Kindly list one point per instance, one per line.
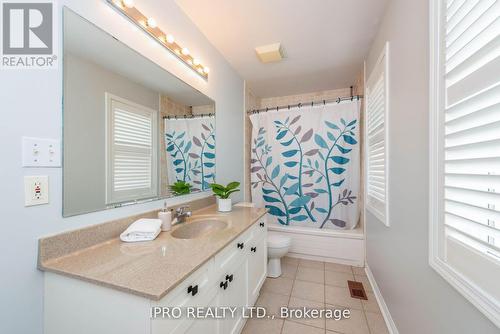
(114, 287)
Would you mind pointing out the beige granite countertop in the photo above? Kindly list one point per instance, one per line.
(152, 269)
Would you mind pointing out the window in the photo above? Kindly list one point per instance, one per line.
(131, 151)
(377, 139)
(465, 149)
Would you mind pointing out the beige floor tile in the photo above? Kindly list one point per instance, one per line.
(297, 303)
(260, 326)
(311, 264)
(356, 324)
(340, 296)
(371, 304)
(310, 275)
(359, 271)
(309, 291)
(290, 260)
(288, 270)
(365, 281)
(341, 268)
(376, 323)
(272, 302)
(280, 285)
(338, 278)
(295, 328)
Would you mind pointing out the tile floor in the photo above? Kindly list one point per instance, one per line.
(314, 284)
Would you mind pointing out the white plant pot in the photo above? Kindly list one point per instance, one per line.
(224, 205)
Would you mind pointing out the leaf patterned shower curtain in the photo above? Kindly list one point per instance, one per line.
(190, 144)
(305, 165)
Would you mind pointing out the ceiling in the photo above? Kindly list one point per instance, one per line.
(325, 41)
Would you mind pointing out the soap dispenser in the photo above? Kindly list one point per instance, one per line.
(165, 215)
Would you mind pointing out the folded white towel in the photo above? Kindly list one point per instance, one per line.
(142, 230)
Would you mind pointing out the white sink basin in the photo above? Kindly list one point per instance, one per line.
(198, 228)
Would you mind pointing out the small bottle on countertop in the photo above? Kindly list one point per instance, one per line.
(165, 215)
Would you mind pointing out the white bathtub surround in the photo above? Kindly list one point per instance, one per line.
(224, 204)
(305, 165)
(328, 245)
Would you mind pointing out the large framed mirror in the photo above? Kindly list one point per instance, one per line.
(133, 132)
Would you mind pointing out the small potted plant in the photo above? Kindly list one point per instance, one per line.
(223, 201)
(180, 188)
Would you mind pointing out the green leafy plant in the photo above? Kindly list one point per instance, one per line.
(224, 192)
(180, 188)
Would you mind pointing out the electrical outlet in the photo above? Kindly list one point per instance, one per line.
(36, 190)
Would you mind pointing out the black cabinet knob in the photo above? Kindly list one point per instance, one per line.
(262, 224)
(240, 245)
(253, 249)
(229, 278)
(193, 290)
(223, 285)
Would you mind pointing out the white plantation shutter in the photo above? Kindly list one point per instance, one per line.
(376, 140)
(131, 151)
(472, 124)
(467, 212)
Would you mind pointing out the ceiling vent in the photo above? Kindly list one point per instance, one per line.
(270, 53)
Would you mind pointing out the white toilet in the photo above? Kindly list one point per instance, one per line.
(277, 247)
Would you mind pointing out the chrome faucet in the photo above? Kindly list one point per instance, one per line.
(181, 213)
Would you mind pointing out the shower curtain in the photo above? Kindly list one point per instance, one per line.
(305, 165)
(190, 144)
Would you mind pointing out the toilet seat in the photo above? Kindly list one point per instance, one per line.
(276, 240)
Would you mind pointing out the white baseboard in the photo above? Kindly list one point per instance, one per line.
(391, 326)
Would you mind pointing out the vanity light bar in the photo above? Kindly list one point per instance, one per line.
(149, 25)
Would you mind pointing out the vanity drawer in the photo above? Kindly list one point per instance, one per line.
(259, 229)
(236, 249)
(191, 290)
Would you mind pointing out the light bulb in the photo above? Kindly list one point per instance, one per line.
(170, 39)
(196, 61)
(185, 51)
(189, 61)
(206, 70)
(128, 3)
(178, 51)
(151, 23)
(200, 70)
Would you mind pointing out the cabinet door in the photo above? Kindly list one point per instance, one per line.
(209, 325)
(235, 295)
(257, 267)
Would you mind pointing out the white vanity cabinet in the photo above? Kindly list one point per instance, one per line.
(232, 278)
(257, 261)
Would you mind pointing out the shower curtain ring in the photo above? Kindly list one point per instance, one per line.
(324, 102)
(300, 105)
(312, 103)
(288, 107)
(338, 100)
(277, 108)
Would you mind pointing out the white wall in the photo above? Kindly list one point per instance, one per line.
(419, 300)
(30, 105)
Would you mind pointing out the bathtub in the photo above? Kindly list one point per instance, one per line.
(339, 246)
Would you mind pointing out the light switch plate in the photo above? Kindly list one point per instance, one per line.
(41, 152)
(36, 190)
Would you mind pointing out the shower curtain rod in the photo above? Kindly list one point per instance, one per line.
(311, 103)
(189, 116)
